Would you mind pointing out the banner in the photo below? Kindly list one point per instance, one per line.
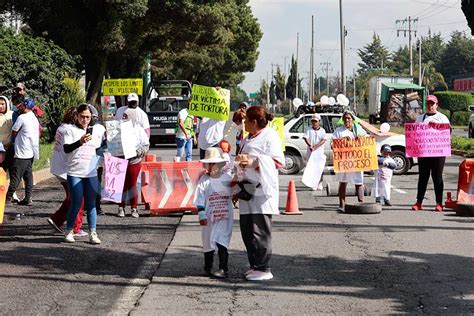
(278, 124)
(114, 179)
(354, 154)
(210, 102)
(122, 86)
(428, 140)
(117, 143)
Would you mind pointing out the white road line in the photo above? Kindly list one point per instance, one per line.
(398, 190)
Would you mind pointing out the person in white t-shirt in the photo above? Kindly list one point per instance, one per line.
(315, 138)
(184, 134)
(430, 165)
(26, 131)
(142, 117)
(210, 133)
(80, 144)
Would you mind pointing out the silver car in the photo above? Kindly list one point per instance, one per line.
(295, 146)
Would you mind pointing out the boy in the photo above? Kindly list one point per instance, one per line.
(315, 137)
(384, 175)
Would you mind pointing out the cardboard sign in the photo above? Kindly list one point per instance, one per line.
(115, 172)
(354, 154)
(122, 86)
(428, 140)
(278, 124)
(210, 102)
(118, 144)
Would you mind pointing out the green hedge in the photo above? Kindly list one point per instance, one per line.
(454, 101)
(463, 144)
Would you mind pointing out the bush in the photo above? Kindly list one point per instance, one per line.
(454, 101)
(462, 143)
(460, 118)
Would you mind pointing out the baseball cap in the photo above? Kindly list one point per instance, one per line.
(315, 117)
(132, 97)
(432, 98)
(20, 85)
(29, 103)
(386, 147)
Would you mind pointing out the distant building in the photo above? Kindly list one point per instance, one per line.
(464, 83)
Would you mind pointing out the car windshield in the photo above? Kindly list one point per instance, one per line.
(166, 105)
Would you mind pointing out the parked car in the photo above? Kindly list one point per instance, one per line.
(295, 146)
(471, 122)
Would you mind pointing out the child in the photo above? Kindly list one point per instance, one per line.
(226, 149)
(213, 200)
(315, 138)
(384, 175)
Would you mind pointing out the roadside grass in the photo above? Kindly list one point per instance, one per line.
(46, 152)
(463, 144)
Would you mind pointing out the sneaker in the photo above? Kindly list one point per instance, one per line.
(320, 186)
(70, 237)
(417, 207)
(94, 239)
(56, 227)
(26, 202)
(340, 209)
(248, 272)
(438, 208)
(81, 233)
(15, 198)
(220, 274)
(135, 213)
(121, 212)
(100, 211)
(259, 276)
(387, 203)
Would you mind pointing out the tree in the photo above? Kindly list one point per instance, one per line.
(467, 7)
(458, 57)
(291, 84)
(262, 94)
(374, 55)
(279, 84)
(272, 92)
(400, 63)
(432, 48)
(237, 95)
(432, 79)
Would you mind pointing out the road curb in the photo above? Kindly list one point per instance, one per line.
(42, 175)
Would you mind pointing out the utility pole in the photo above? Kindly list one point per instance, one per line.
(326, 64)
(297, 44)
(420, 79)
(355, 98)
(311, 63)
(284, 88)
(343, 33)
(408, 25)
(268, 92)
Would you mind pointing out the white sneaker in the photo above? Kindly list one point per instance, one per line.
(81, 233)
(15, 198)
(248, 272)
(94, 239)
(259, 276)
(135, 213)
(69, 238)
(121, 212)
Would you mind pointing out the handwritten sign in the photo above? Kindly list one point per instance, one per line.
(354, 154)
(118, 144)
(210, 102)
(428, 140)
(122, 86)
(278, 124)
(115, 172)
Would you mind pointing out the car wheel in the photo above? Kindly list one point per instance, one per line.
(403, 163)
(292, 163)
(471, 131)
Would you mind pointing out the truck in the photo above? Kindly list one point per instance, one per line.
(395, 99)
(162, 100)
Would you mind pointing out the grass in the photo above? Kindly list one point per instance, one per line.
(463, 144)
(46, 152)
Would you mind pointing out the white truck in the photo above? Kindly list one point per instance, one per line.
(392, 97)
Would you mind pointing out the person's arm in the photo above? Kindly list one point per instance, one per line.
(321, 143)
(183, 129)
(307, 142)
(68, 148)
(14, 133)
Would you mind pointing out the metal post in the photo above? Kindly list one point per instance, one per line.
(297, 44)
(342, 31)
(420, 79)
(311, 63)
(355, 97)
(410, 47)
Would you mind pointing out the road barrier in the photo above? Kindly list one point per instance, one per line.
(465, 191)
(169, 187)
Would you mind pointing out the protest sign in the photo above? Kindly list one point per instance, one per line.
(428, 140)
(114, 179)
(122, 86)
(118, 144)
(210, 102)
(357, 154)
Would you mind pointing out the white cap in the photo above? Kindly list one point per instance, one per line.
(132, 97)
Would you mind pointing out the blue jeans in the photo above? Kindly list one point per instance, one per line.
(82, 188)
(185, 145)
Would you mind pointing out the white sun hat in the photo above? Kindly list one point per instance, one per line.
(213, 155)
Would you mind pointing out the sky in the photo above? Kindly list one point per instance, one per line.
(281, 20)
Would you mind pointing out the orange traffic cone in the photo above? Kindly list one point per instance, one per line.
(292, 201)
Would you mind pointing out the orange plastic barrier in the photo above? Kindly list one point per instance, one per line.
(3, 192)
(465, 192)
(169, 187)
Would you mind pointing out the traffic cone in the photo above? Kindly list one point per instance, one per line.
(292, 201)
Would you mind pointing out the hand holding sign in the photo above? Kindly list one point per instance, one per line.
(115, 171)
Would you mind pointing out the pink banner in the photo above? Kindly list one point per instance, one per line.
(428, 140)
(115, 171)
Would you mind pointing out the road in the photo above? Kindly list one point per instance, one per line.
(324, 262)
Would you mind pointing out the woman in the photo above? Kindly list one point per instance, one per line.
(59, 169)
(259, 160)
(349, 130)
(134, 164)
(80, 144)
(6, 124)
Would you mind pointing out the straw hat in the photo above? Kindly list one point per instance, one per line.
(315, 117)
(213, 155)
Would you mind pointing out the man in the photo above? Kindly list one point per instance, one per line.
(26, 133)
(430, 165)
(211, 132)
(184, 134)
(142, 117)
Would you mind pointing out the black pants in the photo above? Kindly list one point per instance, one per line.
(433, 166)
(223, 259)
(256, 232)
(21, 168)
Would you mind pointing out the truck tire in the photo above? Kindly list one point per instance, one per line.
(372, 119)
(465, 209)
(363, 208)
(293, 163)
(403, 163)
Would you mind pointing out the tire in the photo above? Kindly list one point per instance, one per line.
(371, 119)
(471, 132)
(292, 163)
(363, 208)
(403, 163)
(465, 209)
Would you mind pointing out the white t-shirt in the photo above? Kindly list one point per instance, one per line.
(59, 158)
(142, 117)
(211, 132)
(314, 136)
(438, 117)
(27, 139)
(182, 115)
(82, 162)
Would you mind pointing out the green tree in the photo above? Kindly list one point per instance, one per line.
(262, 94)
(458, 57)
(237, 95)
(279, 84)
(467, 7)
(400, 63)
(432, 48)
(291, 84)
(374, 55)
(272, 92)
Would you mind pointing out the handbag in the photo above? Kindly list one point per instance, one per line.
(246, 190)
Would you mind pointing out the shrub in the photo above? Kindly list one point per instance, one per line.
(454, 101)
